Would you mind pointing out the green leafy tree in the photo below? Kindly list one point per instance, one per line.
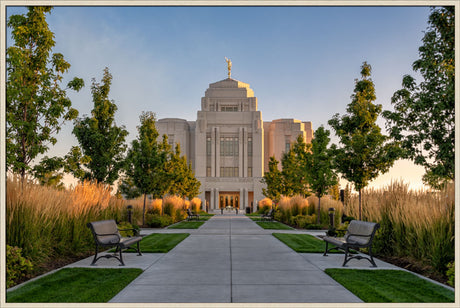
(50, 171)
(145, 163)
(273, 180)
(294, 177)
(424, 115)
(100, 138)
(319, 167)
(181, 176)
(36, 104)
(365, 151)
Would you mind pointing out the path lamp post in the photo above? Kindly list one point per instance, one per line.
(130, 213)
(331, 217)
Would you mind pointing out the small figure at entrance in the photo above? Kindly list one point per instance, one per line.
(221, 211)
(236, 211)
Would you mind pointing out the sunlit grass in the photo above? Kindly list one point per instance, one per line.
(187, 225)
(75, 285)
(390, 286)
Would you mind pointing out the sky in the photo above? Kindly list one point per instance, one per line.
(301, 62)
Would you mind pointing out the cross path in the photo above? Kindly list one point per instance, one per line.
(230, 259)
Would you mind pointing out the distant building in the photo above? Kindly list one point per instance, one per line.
(229, 145)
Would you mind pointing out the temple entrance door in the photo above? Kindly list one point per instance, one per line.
(229, 199)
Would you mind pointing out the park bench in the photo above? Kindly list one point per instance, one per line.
(106, 234)
(359, 235)
(268, 216)
(191, 215)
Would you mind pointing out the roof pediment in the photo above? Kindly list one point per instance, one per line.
(220, 87)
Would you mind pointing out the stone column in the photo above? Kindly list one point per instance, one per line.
(217, 157)
(246, 198)
(241, 152)
(216, 195)
(241, 199)
(211, 206)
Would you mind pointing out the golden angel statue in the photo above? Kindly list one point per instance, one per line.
(229, 66)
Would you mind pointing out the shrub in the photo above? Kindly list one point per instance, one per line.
(17, 267)
(157, 221)
(314, 227)
(126, 225)
(451, 273)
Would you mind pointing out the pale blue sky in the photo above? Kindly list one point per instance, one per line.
(301, 62)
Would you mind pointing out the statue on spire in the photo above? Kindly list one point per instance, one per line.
(229, 66)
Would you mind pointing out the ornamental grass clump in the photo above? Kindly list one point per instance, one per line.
(416, 224)
(48, 224)
(196, 204)
(173, 206)
(326, 203)
(264, 205)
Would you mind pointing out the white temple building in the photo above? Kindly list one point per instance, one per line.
(229, 145)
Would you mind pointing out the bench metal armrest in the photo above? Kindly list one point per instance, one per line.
(105, 234)
(136, 231)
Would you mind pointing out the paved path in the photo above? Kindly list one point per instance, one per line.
(230, 259)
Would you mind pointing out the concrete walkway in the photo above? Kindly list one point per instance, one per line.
(230, 259)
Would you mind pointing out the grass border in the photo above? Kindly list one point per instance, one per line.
(75, 285)
(390, 286)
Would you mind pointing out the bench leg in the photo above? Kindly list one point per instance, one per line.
(325, 251)
(121, 257)
(371, 259)
(95, 256)
(345, 261)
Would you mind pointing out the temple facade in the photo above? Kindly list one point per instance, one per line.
(229, 145)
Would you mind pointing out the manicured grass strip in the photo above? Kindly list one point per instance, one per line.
(160, 242)
(390, 286)
(187, 225)
(273, 225)
(75, 285)
(302, 242)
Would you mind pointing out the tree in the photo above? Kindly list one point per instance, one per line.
(424, 115)
(365, 151)
(273, 179)
(294, 177)
(50, 171)
(319, 167)
(100, 138)
(145, 162)
(36, 105)
(181, 177)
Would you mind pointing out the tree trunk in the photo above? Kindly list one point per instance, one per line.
(318, 218)
(143, 211)
(359, 203)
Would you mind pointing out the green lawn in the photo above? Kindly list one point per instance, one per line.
(75, 285)
(187, 225)
(160, 242)
(390, 286)
(274, 225)
(302, 242)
